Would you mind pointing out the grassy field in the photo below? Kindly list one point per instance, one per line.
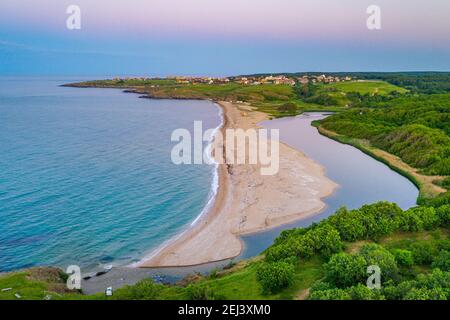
(265, 98)
(366, 87)
(242, 284)
(36, 284)
(268, 98)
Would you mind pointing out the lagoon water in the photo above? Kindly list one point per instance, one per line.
(86, 176)
(362, 179)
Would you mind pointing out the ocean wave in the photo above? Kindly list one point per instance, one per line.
(211, 197)
(215, 181)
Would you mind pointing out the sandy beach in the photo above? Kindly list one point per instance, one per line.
(247, 201)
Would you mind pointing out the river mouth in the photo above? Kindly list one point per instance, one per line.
(361, 178)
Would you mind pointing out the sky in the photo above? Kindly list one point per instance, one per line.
(221, 37)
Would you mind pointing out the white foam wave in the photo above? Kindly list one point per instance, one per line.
(211, 197)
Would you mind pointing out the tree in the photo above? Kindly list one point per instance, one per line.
(403, 257)
(375, 254)
(288, 107)
(443, 212)
(143, 290)
(322, 239)
(330, 294)
(418, 219)
(442, 261)
(325, 240)
(358, 292)
(275, 276)
(379, 219)
(362, 292)
(423, 252)
(426, 294)
(281, 251)
(344, 270)
(201, 292)
(348, 223)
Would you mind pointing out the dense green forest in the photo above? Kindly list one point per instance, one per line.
(401, 261)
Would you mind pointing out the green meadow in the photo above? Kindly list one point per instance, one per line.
(366, 87)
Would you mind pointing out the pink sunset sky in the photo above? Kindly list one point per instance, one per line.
(282, 24)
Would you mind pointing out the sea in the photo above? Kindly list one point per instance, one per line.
(86, 176)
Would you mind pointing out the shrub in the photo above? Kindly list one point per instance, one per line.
(418, 219)
(323, 99)
(429, 218)
(375, 254)
(443, 244)
(443, 213)
(358, 292)
(275, 276)
(409, 221)
(348, 223)
(442, 261)
(426, 294)
(280, 252)
(397, 292)
(379, 219)
(423, 252)
(143, 290)
(321, 285)
(434, 286)
(446, 183)
(442, 199)
(322, 239)
(330, 294)
(288, 107)
(201, 292)
(403, 257)
(362, 292)
(344, 270)
(325, 240)
(304, 246)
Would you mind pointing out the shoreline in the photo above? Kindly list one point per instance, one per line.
(217, 231)
(217, 203)
(216, 178)
(212, 198)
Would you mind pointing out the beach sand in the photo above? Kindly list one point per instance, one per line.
(248, 202)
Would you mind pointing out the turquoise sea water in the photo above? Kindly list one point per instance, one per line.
(86, 176)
